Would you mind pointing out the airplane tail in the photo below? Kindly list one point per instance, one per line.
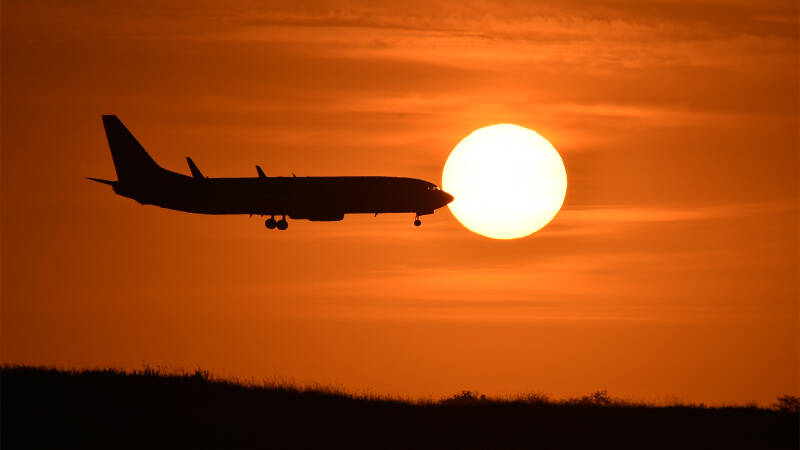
(130, 159)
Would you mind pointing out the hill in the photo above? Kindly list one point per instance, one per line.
(48, 408)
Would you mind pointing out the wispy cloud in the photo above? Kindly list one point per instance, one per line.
(627, 215)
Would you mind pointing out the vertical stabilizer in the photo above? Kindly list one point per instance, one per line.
(130, 159)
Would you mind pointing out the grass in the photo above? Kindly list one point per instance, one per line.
(108, 408)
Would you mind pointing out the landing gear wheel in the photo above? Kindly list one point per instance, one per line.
(283, 224)
(417, 222)
(270, 223)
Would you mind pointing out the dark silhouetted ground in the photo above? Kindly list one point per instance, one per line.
(45, 408)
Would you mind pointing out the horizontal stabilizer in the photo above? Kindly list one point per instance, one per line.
(261, 173)
(195, 171)
(100, 180)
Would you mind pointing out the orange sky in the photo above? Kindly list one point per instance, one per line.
(672, 270)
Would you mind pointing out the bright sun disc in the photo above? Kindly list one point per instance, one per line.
(508, 181)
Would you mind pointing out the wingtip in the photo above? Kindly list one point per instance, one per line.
(193, 167)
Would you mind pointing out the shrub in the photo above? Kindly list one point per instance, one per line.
(466, 397)
(788, 403)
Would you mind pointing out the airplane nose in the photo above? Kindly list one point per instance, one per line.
(446, 198)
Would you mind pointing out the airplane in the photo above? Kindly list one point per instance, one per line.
(310, 198)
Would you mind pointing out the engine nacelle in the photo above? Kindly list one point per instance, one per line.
(327, 217)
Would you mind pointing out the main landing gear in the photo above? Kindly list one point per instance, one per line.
(417, 222)
(271, 223)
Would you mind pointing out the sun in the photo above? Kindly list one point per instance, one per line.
(508, 181)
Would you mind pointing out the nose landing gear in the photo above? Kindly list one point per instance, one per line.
(417, 222)
(271, 223)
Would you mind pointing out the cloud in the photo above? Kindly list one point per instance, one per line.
(627, 215)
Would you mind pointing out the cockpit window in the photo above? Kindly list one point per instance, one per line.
(434, 188)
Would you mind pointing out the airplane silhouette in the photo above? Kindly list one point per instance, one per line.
(311, 198)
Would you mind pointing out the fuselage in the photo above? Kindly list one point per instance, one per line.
(313, 198)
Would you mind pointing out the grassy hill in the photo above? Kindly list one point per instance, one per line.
(47, 408)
